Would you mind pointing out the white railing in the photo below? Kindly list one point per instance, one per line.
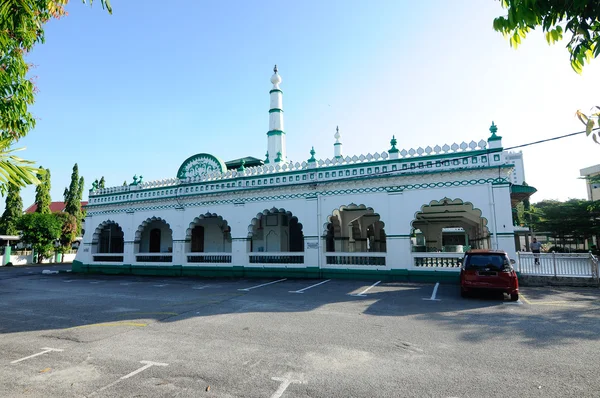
(154, 257)
(437, 260)
(266, 258)
(359, 259)
(208, 258)
(557, 264)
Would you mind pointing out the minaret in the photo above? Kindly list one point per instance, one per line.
(337, 147)
(276, 135)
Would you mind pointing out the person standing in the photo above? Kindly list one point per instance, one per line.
(536, 248)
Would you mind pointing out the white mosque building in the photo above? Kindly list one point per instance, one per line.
(394, 215)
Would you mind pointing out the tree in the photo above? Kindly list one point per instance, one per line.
(42, 192)
(102, 183)
(21, 27)
(68, 233)
(579, 18)
(40, 231)
(73, 196)
(14, 209)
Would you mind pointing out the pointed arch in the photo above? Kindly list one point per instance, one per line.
(108, 237)
(449, 225)
(354, 228)
(275, 230)
(154, 235)
(208, 233)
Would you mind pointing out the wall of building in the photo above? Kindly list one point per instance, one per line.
(312, 207)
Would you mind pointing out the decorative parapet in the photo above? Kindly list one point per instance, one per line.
(437, 158)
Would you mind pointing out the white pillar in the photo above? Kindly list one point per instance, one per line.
(276, 134)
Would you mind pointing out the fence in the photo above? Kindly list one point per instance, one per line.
(437, 260)
(582, 265)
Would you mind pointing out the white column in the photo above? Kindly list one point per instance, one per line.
(337, 147)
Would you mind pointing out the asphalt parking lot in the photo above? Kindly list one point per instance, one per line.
(65, 335)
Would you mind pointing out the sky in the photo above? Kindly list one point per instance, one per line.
(141, 90)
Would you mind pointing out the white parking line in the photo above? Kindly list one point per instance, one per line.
(200, 287)
(147, 364)
(310, 287)
(97, 282)
(163, 285)
(285, 383)
(46, 349)
(69, 280)
(435, 288)
(264, 284)
(362, 294)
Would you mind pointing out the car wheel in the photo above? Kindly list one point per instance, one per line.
(514, 296)
(464, 293)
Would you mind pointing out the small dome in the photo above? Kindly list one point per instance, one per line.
(275, 79)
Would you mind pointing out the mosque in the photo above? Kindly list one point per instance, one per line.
(392, 215)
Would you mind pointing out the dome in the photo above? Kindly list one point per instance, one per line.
(275, 79)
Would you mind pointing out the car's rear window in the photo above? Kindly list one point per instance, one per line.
(494, 261)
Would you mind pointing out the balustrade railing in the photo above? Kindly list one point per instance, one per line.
(210, 258)
(154, 258)
(276, 258)
(437, 260)
(366, 259)
(108, 257)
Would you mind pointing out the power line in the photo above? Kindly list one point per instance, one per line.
(549, 139)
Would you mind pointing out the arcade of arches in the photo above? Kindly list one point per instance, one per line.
(440, 226)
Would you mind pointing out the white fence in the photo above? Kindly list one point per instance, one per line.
(582, 265)
(437, 260)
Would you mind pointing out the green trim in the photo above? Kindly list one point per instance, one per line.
(522, 189)
(337, 143)
(389, 189)
(275, 90)
(388, 275)
(275, 110)
(505, 234)
(275, 132)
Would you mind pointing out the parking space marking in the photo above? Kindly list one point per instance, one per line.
(46, 350)
(108, 324)
(147, 364)
(551, 303)
(69, 280)
(148, 313)
(435, 289)
(285, 383)
(161, 285)
(362, 294)
(94, 282)
(310, 287)
(264, 284)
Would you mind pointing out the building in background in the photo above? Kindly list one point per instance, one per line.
(517, 176)
(593, 187)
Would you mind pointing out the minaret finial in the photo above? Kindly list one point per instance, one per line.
(337, 147)
(275, 68)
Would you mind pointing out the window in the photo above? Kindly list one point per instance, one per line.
(327, 175)
(474, 159)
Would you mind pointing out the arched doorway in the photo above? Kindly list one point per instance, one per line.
(355, 235)
(275, 230)
(279, 232)
(108, 242)
(154, 241)
(355, 228)
(449, 225)
(208, 236)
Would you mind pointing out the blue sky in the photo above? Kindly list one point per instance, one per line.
(139, 91)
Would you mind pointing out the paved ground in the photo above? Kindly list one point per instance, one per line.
(67, 335)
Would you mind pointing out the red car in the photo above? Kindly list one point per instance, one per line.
(488, 270)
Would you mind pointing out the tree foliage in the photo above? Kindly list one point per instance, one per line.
(21, 28)
(578, 18)
(42, 192)
(12, 212)
(68, 233)
(41, 231)
(568, 222)
(73, 196)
